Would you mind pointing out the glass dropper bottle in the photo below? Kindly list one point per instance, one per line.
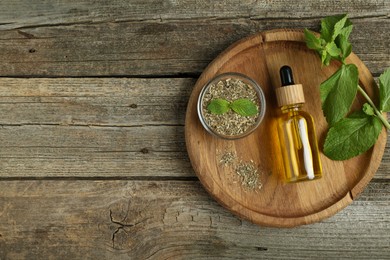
(296, 131)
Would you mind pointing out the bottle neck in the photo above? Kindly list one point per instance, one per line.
(291, 107)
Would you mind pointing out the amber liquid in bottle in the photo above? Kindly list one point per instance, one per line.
(297, 136)
(298, 144)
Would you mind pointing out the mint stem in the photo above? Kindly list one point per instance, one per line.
(377, 112)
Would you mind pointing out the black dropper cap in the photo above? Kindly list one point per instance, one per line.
(286, 76)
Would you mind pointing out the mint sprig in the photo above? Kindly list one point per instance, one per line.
(355, 134)
(242, 106)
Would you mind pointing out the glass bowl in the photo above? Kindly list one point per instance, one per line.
(231, 86)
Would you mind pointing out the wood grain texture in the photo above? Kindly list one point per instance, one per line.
(104, 102)
(98, 127)
(95, 167)
(25, 13)
(155, 48)
(277, 204)
(172, 219)
(93, 127)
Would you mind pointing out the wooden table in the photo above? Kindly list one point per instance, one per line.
(93, 162)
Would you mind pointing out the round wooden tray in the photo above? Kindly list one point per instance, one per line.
(278, 204)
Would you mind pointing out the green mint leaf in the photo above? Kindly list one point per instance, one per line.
(244, 107)
(312, 41)
(338, 27)
(333, 50)
(346, 31)
(338, 93)
(325, 57)
(384, 91)
(218, 106)
(333, 41)
(344, 45)
(368, 109)
(327, 60)
(358, 114)
(327, 27)
(352, 136)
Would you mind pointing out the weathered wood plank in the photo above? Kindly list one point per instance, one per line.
(172, 219)
(57, 151)
(93, 127)
(156, 48)
(16, 14)
(94, 101)
(97, 127)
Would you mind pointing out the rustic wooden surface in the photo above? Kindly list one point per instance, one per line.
(93, 161)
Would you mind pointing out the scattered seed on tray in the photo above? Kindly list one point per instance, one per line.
(249, 176)
(244, 173)
(228, 158)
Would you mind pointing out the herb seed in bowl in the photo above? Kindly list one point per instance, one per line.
(231, 106)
